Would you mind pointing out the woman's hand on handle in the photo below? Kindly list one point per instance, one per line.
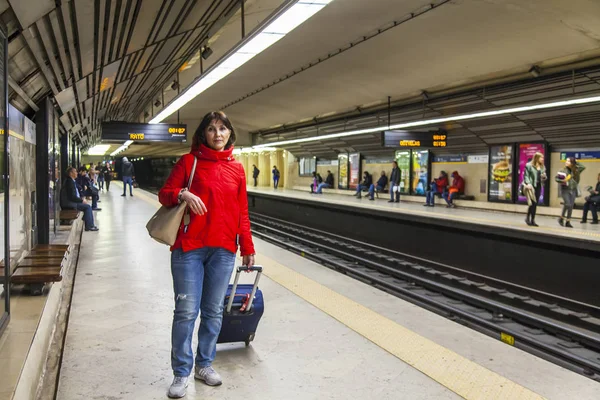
(194, 203)
(248, 261)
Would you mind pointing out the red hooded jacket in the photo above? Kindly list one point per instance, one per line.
(220, 182)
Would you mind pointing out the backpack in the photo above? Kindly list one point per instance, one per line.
(276, 173)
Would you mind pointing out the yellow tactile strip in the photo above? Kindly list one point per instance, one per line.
(460, 375)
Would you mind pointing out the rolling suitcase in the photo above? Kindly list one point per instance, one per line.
(243, 310)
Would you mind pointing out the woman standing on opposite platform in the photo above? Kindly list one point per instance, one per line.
(533, 177)
(568, 182)
(203, 255)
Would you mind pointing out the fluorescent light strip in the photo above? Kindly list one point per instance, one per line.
(122, 148)
(433, 121)
(281, 26)
(98, 150)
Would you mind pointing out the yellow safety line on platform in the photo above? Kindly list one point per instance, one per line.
(460, 375)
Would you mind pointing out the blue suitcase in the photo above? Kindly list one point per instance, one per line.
(242, 312)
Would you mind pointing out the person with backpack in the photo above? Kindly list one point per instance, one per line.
(275, 176)
(255, 172)
(533, 177)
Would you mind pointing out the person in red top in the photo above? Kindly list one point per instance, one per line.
(438, 186)
(457, 188)
(203, 255)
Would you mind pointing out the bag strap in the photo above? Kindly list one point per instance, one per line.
(192, 174)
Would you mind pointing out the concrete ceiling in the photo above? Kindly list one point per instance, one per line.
(450, 45)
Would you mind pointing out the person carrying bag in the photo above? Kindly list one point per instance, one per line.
(164, 225)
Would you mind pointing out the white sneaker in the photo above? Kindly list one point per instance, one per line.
(178, 387)
(208, 375)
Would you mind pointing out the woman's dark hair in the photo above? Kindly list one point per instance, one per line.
(200, 135)
(573, 168)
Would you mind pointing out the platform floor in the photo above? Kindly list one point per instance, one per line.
(509, 220)
(323, 335)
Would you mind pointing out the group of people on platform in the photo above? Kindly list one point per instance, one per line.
(274, 171)
(441, 187)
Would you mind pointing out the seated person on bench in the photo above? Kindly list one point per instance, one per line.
(591, 203)
(86, 188)
(71, 198)
(438, 186)
(457, 188)
(365, 185)
(328, 184)
(381, 183)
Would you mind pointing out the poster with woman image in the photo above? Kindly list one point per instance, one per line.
(500, 186)
(526, 153)
(420, 161)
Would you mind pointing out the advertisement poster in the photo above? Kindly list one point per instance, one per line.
(420, 168)
(343, 171)
(354, 170)
(581, 155)
(501, 173)
(526, 153)
(403, 160)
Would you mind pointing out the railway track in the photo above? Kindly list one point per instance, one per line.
(555, 328)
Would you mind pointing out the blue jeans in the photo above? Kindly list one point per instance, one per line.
(372, 190)
(200, 279)
(359, 189)
(449, 197)
(127, 180)
(323, 185)
(88, 216)
(275, 182)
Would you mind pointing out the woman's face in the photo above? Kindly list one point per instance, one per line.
(541, 160)
(217, 135)
(568, 163)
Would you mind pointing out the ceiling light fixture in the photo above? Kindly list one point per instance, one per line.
(122, 148)
(433, 121)
(275, 29)
(98, 150)
(535, 71)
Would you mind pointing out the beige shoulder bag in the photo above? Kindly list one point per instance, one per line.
(164, 225)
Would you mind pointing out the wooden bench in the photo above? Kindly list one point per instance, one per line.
(42, 265)
(67, 217)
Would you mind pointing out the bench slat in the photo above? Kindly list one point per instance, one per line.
(36, 275)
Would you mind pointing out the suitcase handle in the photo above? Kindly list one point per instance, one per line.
(239, 269)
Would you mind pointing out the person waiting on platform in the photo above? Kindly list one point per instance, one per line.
(395, 183)
(85, 187)
(533, 178)
(72, 198)
(204, 252)
(568, 182)
(128, 174)
(275, 176)
(438, 186)
(365, 185)
(107, 173)
(380, 187)
(317, 180)
(591, 203)
(328, 184)
(100, 177)
(456, 189)
(255, 172)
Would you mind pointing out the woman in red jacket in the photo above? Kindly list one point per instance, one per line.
(203, 255)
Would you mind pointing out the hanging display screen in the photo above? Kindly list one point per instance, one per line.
(121, 132)
(407, 139)
(500, 187)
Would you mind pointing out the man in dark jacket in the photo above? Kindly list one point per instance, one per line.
(128, 174)
(395, 183)
(591, 203)
(381, 184)
(365, 185)
(328, 184)
(71, 198)
(255, 172)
